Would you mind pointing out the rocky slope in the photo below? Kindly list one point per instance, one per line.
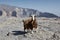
(48, 29)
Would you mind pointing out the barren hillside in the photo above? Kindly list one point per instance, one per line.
(48, 29)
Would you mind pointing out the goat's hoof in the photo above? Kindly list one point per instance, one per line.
(35, 31)
(24, 35)
(31, 32)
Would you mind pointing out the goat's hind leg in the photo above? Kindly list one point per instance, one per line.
(24, 29)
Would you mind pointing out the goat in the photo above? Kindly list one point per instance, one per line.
(30, 23)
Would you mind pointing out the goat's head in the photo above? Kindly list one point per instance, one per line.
(33, 17)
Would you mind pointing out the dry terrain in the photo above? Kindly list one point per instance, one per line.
(48, 29)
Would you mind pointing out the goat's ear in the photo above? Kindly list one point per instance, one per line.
(34, 16)
(30, 16)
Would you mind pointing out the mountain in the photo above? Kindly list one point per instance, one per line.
(46, 14)
(7, 10)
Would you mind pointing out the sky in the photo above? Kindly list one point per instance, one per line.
(51, 6)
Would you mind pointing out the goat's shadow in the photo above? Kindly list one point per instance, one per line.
(19, 32)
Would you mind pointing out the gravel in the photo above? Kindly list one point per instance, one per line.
(47, 30)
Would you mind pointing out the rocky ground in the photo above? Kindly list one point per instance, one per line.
(48, 29)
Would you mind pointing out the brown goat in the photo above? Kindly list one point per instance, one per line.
(30, 23)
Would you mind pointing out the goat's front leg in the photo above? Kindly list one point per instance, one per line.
(31, 31)
(35, 30)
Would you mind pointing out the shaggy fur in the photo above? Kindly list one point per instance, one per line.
(30, 24)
